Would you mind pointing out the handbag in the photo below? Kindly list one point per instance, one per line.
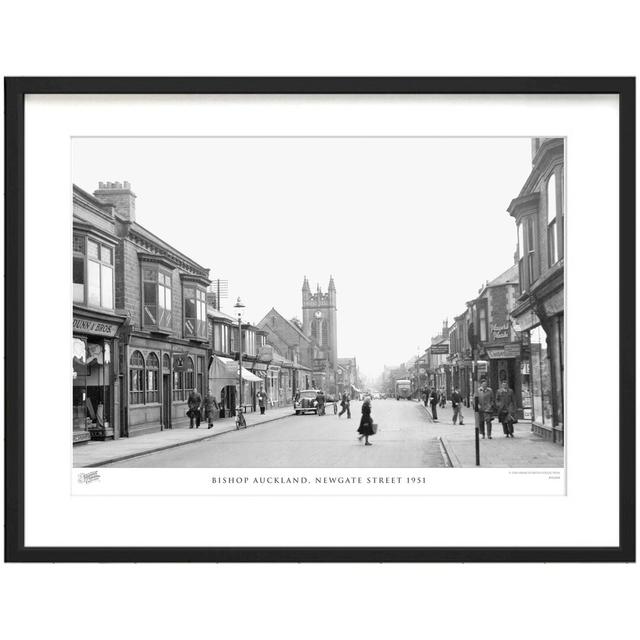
(374, 427)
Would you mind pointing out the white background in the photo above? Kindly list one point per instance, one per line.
(54, 517)
(399, 38)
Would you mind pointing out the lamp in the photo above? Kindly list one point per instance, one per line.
(239, 306)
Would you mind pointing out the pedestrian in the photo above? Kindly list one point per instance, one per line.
(483, 405)
(194, 402)
(210, 406)
(366, 423)
(427, 395)
(506, 408)
(433, 400)
(321, 400)
(456, 403)
(345, 403)
(443, 398)
(262, 400)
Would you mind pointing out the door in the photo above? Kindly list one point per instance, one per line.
(166, 400)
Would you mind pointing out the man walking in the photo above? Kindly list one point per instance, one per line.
(434, 404)
(194, 402)
(345, 403)
(262, 400)
(506, 407)
(456, 403)
(483, 406)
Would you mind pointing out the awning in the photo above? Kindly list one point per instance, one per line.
(224, 372)
(232, 366)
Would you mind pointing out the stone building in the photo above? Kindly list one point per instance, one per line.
(98, 326)
(539, 214)
(163, 350)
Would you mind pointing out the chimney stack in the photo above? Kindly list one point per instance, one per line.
(120, 196)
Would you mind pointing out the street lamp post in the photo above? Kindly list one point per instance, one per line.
(239, 306)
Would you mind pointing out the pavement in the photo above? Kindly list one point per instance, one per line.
(525, 449)
(96, 454)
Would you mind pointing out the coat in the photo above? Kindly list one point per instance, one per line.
(194, 401)
(483, 400)
(366, 423)
(505, 404)
(456, 399)
(262, 398)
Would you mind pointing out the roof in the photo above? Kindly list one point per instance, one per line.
(212, 312)
(510, 276)
(288, 322)
(142, 231)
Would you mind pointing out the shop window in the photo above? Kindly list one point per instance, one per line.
(92, 272)
(178, 385)
(195, 312)
(152, 370)
(156, 298)
(136, 378)
(91, 383)
(189, 383)
(552, 221)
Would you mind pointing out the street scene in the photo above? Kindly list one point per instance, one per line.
(404, 352)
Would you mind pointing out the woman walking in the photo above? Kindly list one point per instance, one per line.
(366, 424)
(506, 407)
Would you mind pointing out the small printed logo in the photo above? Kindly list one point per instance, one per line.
(90, 476)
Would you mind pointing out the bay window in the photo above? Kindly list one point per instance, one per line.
(552, 221)
(156, 297)
(531, 250)
(92, 272)
(195, 312)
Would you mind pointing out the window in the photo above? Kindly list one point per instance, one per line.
(166, 362)
(178, 379)
(482, 320)
(153, 365)
(136, 378)
(156, 298)
(189, 382)
(521, 273)
(220, 338)
(78, 268)
(552, 224)
(93, 283)
(195, 312)
(531, 251)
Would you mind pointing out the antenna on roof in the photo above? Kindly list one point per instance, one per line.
(221, 290)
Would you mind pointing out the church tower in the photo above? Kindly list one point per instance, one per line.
(319, 320)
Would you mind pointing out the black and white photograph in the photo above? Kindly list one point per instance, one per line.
(318, 302)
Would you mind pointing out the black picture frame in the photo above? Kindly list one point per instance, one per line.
(15, 91)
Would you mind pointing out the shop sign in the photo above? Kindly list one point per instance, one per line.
(508, 351)
(438, 349)
(94, 327)
(500, 331)
(527, 414)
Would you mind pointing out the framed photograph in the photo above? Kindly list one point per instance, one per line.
(320, 319)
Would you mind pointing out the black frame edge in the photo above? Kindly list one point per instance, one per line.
(15, 90)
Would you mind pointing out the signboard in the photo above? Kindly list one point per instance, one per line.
(500, 331)
(437, 349)
(94, 327)
(508, 351)
(527, 414)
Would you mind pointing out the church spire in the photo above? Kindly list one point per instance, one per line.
(305, 285)
(332, 285)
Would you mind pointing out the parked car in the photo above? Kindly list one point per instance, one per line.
(306, 402)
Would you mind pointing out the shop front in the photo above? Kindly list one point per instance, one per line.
(96, 381)
(161, 375)
(504, 366)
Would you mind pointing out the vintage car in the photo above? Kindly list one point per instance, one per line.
(306, 402)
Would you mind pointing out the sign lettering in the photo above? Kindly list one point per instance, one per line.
(94, 328)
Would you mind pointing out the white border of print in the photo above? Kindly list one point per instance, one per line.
(56, 518)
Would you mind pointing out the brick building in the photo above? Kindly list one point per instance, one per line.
(539, 215)
(163, 350)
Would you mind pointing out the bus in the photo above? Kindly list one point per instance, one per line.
(403, 389)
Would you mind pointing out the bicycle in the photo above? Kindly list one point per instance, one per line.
(241, 423)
